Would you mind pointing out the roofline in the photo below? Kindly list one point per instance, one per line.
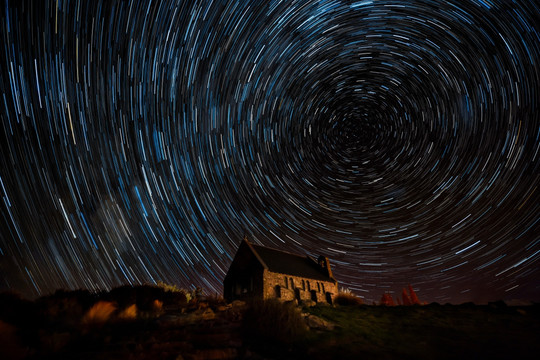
(282, 251)
(255, 253)
(332, 278)
(317, 264)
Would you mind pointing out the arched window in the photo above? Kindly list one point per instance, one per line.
(292, 283)
(308, 286)
(323, 287)
(286, 283)
(319, 286)
(303, 285)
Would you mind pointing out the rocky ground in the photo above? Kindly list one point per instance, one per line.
(176, 333)
(216, 330)
(198, 331)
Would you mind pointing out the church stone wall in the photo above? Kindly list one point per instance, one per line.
(306, 289)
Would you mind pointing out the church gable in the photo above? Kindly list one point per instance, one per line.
(244, 278)
(261, 272)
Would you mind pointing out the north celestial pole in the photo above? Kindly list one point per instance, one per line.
(141, 140)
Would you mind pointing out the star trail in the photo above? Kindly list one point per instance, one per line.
(141, 140)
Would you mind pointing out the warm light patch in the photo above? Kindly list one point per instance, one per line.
(129, 313)
(100, 312)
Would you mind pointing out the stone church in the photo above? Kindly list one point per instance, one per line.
(266, 273)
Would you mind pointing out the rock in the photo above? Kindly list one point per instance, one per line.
(292, 302)
(208, 314)
(222, 308)
(316, 323)
(238, 304)
(308, 303)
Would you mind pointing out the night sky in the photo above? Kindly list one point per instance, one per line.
(141, 141)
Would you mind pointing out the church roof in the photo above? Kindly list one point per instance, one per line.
(290, 264)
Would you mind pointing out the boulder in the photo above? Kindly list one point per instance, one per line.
(207, 314)
(316, 323)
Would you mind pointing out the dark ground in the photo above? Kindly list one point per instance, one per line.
(59, 327)
(494, 331)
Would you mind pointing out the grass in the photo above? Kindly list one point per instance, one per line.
(271, 325)
(431, 331)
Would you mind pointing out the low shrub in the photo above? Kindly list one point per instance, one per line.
(124, 295)
(10, 344)
(348, 299)
(99, 313)
(65, 306)
(17, 311)
(169, 287)
(387, 300)
(215, 301)
(267, 322)
(129, 313)
(174, 292)
(157, 306)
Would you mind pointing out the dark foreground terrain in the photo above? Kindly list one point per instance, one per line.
(494, 331)
(152, 323)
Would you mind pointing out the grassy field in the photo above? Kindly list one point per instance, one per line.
(427, 332)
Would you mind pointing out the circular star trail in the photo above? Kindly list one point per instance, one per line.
(140, 141)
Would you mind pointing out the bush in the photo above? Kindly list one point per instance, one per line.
(348, 299)
(129, 313)
(215, 301)
(174, 293)
(387, 300)
(144, 296)
(169, 287)
(64, 307)
(99, 313)
(17, 311)
(267, 322)
(157, 306)
(10, 344)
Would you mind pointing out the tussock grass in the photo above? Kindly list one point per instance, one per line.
(129, 313)
(271, 321)
(99, 313)
(157, 306)
(427, 332)
(348, 299)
